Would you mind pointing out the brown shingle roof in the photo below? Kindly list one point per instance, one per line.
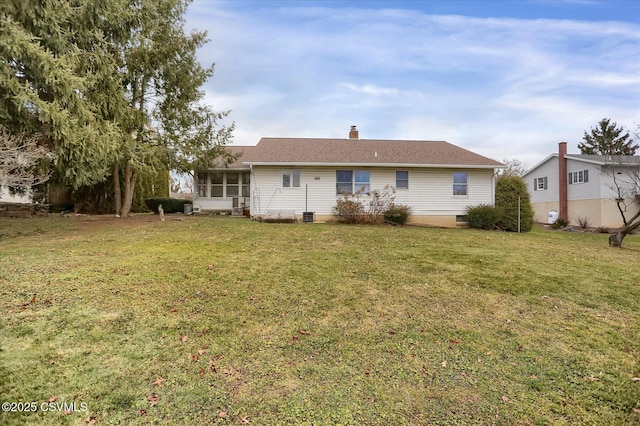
(235, 149)
(294, 151)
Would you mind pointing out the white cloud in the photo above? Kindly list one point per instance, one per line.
(506, 88)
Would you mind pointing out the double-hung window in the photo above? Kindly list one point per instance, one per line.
(460, 183)
(402, 179)
(353, 181)
(202, 184)
(233, 184)
(344, 182)
(361, 181)
(540, 184)
(581, 176)
(291, 178)
(246, 181)
(217, 184)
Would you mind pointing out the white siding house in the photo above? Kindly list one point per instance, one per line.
(436, 179)
(591, 193)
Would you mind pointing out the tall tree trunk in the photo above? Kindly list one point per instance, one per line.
(116, 189)
(130, 176)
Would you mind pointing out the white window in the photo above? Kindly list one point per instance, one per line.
(291, 178)
(540, 184)
(581, 176)
(233, 181)
(460, 181)
(353, 181)
(402, 179)
(217, 184)
(361, 181)
(246, 180)
(202, 184)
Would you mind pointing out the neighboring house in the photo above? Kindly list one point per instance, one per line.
(437, 179)
(582, 187)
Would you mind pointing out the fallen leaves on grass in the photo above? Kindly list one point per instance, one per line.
(222, 414)
(159, 381)
(153, 399)
(91, 420)
(443, 363)
(53, 398)
(185, 338)
(142, 412)
(243, 420)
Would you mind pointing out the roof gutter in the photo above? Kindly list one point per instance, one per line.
(392, 165)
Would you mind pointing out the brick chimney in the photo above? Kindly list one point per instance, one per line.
(562, 171)
(353, 133)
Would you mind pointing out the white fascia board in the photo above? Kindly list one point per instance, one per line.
(585, 160)
(232, 169)
(387, 165)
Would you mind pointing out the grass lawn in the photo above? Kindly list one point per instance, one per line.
(221, 320)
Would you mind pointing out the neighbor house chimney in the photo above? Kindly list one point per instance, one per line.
(353, 133)
(562, 171)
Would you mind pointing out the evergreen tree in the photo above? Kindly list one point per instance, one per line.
(607, 139)
(508, 190)
(114, 87)
(52, 59)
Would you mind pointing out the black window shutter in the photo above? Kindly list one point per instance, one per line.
(586, 175)
(545, 182)
(535, 184)
(570, 178)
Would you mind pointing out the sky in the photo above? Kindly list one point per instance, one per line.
(505, 79)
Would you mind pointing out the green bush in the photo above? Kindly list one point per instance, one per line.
(560, 224)
(169, 205)
(397, 213)
(508, 190)
(483, 216)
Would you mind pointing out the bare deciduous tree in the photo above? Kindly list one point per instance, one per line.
(624, 174)
(19, 157)
(513, 168)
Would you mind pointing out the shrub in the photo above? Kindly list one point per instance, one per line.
(169, 205)
(508, 190)
(482, 216)
(583, 221)
(397, 213)
(560, 224)
(351, 209)
(348, 208)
